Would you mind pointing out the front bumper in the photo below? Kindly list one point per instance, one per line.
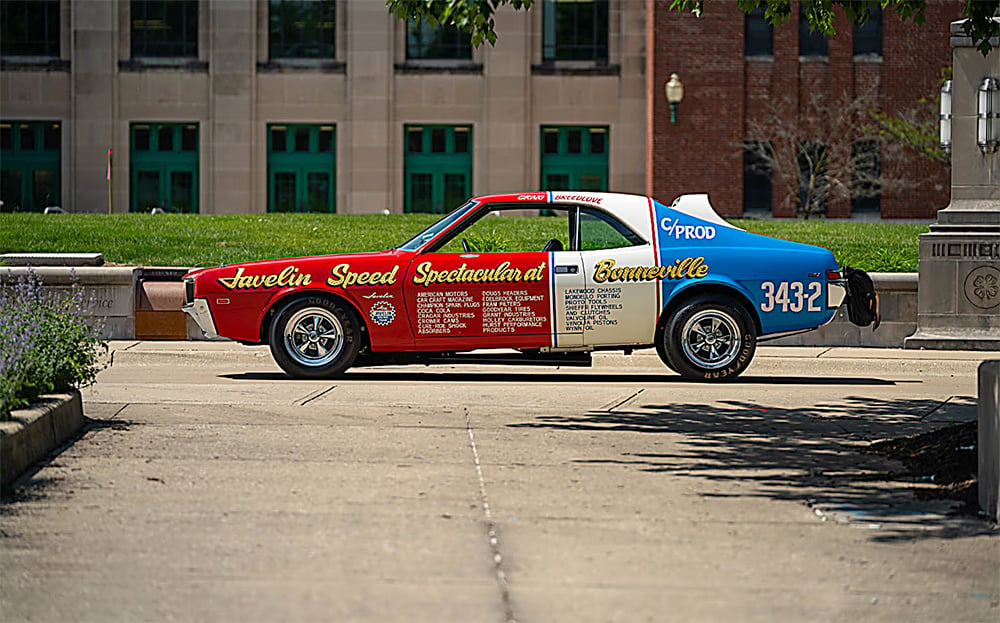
(202, 315)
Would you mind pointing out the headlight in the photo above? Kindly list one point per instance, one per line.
(188, 291)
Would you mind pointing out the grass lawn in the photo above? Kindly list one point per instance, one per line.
(187, 240)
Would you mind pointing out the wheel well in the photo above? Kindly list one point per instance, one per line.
(708, 288)
(272, 310)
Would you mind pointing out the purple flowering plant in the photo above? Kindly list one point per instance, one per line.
(49, 342)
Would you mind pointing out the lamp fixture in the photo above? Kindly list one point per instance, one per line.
(674, 90)
(988, 126)
(946, 116)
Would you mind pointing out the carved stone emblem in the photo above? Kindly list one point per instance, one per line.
(982, 287)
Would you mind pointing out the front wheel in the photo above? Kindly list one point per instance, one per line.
(709, 338)
(314, 338)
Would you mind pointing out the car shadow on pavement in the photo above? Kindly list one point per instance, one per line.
(556, 376)
(807, 454)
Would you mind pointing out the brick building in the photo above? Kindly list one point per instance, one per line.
(735, 73)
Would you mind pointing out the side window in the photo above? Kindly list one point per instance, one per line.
(600, 231)
(499, 230)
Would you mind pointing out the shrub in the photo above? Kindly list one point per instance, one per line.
(46, 342)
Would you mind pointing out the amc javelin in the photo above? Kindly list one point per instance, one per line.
(614, 272)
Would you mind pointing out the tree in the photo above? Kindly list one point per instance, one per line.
(917, 128)
(476, 16)
(825, 153)
(472, 16)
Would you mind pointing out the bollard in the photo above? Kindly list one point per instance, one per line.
(989, 438)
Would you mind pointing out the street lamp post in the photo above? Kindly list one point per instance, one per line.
(674, 90)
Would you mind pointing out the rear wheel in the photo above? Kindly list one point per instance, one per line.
(709, 337)
(314, 338)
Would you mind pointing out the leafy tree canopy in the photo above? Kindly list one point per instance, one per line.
(476, 16)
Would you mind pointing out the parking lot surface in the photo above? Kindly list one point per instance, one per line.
(208, 486)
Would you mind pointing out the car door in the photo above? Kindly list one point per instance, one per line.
(622, 279)
(491, 295)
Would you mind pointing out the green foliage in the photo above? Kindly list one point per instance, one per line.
(917, 128)
(471, 16)
(187, 240)
(46, 343)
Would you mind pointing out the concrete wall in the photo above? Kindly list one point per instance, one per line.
(234, 90)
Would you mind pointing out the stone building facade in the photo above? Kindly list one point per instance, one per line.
(211, 106)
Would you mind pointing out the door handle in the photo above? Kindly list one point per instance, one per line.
(567, 270)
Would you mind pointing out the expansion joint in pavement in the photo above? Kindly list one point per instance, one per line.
(491, 528)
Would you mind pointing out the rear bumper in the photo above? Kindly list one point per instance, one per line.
(202, 315)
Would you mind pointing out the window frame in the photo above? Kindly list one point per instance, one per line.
(187, 47)
(415, 51)
(812, 43)
(870, 34)
(754, 28)
(327, 13)
(51, 40)
(754, 166)
(596, 51)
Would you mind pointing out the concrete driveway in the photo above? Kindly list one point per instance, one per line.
(209, 487)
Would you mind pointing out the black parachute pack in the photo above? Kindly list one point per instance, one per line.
(862, 299)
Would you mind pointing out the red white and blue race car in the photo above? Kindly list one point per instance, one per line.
(609, 272)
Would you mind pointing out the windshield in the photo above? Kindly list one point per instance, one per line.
(431, 232)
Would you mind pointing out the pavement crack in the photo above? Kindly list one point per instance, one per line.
(314, 395)
(491, 528)
(932, 411)
(608, 408)
(818, 355)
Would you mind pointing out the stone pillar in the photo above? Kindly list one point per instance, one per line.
(958, 303)
(90, 129)
(232, 62)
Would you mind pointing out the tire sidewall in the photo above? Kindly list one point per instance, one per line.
(680, 362)
(349, 350)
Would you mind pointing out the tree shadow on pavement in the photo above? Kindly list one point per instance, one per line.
(806, 454)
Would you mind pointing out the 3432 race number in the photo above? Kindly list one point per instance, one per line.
(791, 296)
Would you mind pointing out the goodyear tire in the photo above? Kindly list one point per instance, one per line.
(709, 338)
(314, 338)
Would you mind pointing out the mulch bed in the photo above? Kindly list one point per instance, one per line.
(946, 457)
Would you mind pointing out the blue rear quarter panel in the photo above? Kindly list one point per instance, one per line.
(754, 265)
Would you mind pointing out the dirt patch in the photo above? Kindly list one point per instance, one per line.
(945, 457)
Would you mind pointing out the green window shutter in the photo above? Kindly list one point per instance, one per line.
(301, 168)
(437, 167)
(574, 158)
(163, 167)
(30, 165)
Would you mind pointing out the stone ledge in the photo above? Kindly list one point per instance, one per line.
(34, 432)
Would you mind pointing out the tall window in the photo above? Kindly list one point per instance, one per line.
(301, 168)
(866, 186)
(29, 165)
(574, 158)
(757, 177)
(163, 167)
(811, 42)
(302, 28)
(575, 30)
(759, 35)
(424, 42)
(438, 167)
(29, 28)
(165, 28)
(868, 36)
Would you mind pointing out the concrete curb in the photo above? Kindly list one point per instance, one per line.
(34, 432)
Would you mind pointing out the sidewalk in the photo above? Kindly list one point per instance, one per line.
(211, 487)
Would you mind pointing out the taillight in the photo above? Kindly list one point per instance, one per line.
(833, 275)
